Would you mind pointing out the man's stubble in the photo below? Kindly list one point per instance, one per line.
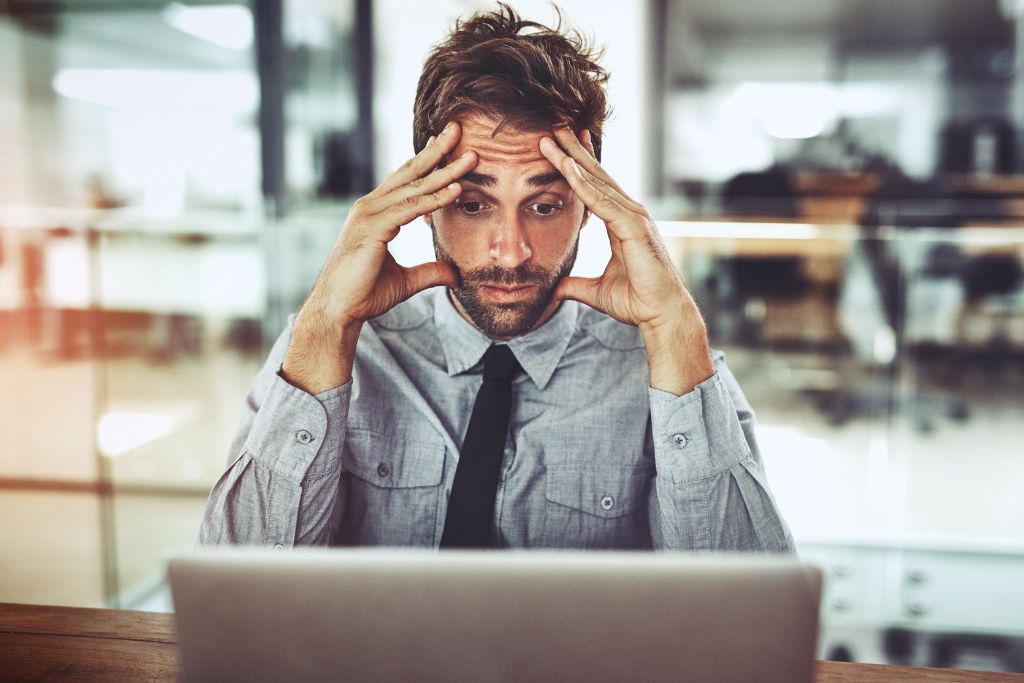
(505, 321)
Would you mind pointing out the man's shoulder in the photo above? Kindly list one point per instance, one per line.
(618, 336)
(608, 332)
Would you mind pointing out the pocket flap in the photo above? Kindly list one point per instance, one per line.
(392, 461)
(602, 492)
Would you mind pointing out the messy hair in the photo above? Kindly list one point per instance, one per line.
(523, 74)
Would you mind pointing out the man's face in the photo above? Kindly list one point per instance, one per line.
(513, 232)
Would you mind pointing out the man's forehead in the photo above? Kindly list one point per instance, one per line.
(504, 145)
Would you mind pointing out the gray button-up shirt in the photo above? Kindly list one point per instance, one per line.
(595, 457)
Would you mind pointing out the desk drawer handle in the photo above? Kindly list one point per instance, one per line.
(916, 577)
(917, 609)
(840, 570)
(840, 605)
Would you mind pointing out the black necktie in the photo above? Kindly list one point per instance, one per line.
(471, 504)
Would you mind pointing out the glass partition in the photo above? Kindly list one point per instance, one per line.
(140, 285)
(884, 365)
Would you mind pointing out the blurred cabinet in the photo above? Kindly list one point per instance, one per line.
(938, 589)
(854, 577)
(950, 591)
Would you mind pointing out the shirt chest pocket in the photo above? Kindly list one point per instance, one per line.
(391, 484)
(602, 507)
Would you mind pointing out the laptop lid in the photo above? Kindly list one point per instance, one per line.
(397, 614)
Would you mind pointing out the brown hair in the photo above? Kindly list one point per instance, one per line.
(525, 74)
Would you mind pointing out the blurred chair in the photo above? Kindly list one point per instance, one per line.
(743, 285)
(767, 193)
(985, 145)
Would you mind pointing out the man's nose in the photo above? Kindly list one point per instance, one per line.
(510, 247)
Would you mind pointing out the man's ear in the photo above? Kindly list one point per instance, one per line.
(586, 217)
(429, 220)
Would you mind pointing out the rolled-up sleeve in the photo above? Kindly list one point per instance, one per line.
(281, 484)
(711, 492)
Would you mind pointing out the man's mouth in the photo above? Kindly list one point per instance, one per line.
(504, 294)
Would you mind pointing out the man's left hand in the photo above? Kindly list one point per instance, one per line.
(640, 285)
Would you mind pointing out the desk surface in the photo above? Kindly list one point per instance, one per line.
(51, 643)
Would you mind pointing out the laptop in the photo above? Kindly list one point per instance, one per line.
(424, 615)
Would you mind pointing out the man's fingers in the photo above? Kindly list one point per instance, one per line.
(421, 164)
(437, 180)
(587, 140)
(607, 189)
(601, 204)
(571, 144)
(598, 197)
(582, 289)
(410, 208)
(428, 275)
(560, 160)
(615, 216)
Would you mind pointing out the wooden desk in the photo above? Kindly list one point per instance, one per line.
(41, 643)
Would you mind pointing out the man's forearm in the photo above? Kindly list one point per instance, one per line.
(320, 354)
(278, 486)
(678, 353)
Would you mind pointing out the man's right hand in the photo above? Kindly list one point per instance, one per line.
(361, 280)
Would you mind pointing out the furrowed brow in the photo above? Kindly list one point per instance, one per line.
(481, 179)
(545, 179)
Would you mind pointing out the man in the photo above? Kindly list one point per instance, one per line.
(513, 406)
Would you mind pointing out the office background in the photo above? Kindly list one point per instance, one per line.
(840, 181)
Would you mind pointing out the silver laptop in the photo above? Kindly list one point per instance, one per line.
(424, 615)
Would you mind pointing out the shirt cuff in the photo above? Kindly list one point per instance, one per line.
(296, 434)
(696, 435)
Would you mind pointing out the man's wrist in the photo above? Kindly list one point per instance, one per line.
(678, 351)
(320, 353)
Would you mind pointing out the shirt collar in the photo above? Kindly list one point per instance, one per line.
(538, 352)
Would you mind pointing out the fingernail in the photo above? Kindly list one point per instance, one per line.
(452, 187)
(465, 155)
(431, 139)
(447, 128)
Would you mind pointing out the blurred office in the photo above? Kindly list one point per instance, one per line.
(841, 183)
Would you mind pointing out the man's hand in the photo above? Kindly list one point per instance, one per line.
(640, 285)
(361, 280)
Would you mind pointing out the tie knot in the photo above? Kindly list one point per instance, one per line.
(500, 364)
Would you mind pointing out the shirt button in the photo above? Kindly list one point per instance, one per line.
(680, 440)
(303, 437)
(383, 469)
(278, 546)
(607, 502)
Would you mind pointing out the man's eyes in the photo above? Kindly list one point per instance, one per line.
(471, 208)
(545, 209)
(541, 209)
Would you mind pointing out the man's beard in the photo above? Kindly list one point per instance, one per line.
(506, 320)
